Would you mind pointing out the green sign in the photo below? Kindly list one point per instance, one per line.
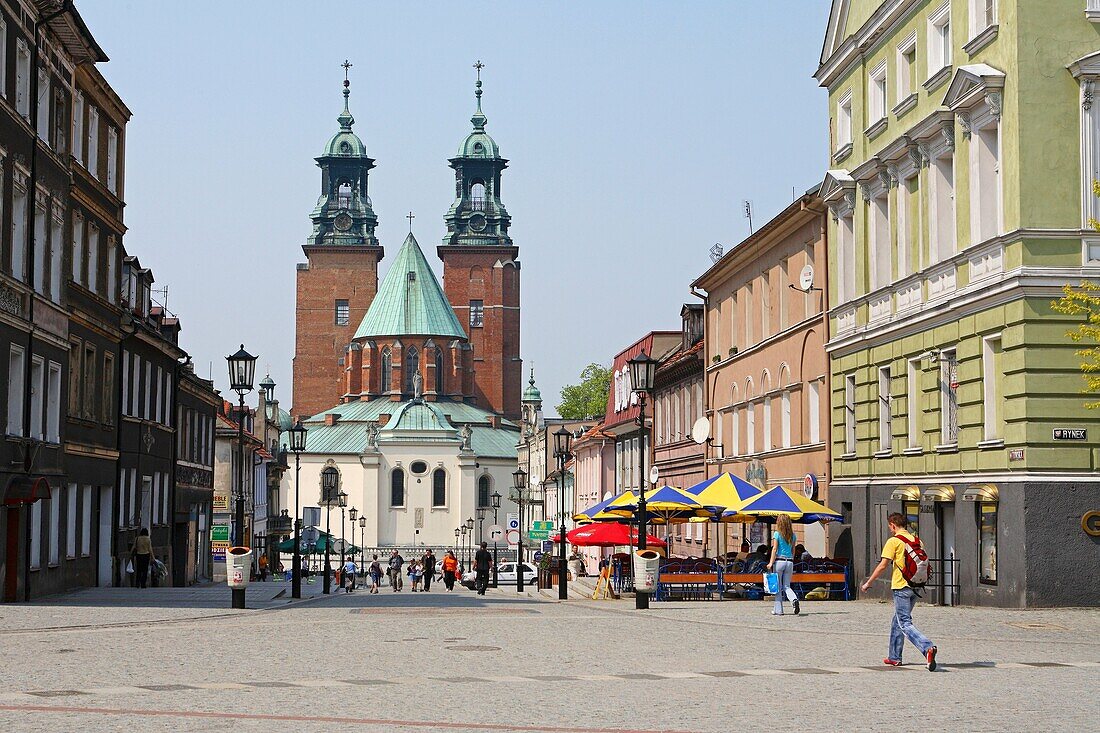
(219, 533)
(537, 534)
(542, 526)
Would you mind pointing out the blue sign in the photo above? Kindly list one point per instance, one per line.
(538, 556)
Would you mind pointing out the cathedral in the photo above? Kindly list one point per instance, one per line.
(409, 389)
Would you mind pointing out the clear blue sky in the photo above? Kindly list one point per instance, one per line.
(634, 132)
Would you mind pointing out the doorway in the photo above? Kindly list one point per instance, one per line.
(11, 559)
(104, 557)
(947, 551)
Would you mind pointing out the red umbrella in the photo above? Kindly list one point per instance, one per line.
(606, 534)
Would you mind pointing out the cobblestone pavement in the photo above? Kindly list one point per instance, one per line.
(180, 660)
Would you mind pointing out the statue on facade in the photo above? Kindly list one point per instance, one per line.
(418, 385)
(467, 435)
(372, 434)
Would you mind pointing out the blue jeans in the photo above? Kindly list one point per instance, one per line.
(783, 571)
(902, 628)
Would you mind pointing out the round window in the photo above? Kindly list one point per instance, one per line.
(478, 147)
(418, 467)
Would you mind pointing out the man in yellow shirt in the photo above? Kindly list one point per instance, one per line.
(901, 627)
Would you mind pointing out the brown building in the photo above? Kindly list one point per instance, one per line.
(766, 367)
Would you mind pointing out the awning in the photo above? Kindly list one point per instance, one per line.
(939, 493)
(981, 492)
(905, 493)
(26, 490)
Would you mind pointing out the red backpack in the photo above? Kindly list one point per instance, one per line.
(916, 569)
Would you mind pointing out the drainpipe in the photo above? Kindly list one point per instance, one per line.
(705, 297)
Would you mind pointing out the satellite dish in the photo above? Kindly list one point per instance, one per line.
(654, 474)
(700, 431)
(806, 278)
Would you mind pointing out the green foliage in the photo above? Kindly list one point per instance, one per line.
(1084, 300)
(589, 398)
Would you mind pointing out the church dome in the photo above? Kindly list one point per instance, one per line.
(345, 143)
(532, 393)
(282, 419)
(478, 144)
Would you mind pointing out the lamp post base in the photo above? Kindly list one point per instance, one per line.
(238, 598)
(641, 600)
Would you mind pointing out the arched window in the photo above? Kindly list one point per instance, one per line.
(412, 366)
(477, 195)
(343, 195)
(386, 370)
(483, 486)
(330, 485)
(397, 487)
(439, 487)
(438, 370)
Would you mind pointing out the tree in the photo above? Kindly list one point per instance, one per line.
(589, 398)
(1085, 301)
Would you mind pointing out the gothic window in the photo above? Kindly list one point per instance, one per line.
(343, 195)
(412, 366)
(477, 313)
(483, 487)
(439, 487)
(397, 487)
(342, 313)
(438, 370)
(386, 369)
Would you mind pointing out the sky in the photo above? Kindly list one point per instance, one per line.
(634, 130)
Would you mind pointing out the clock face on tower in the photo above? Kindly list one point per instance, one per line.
(343, 222)
(477, 223)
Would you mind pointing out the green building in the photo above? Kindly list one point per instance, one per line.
(963, 145)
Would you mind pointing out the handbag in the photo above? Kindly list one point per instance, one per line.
(130, 566)
(771, 583)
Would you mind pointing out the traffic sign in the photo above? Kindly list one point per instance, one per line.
(542, 526)
(494, 534)
(537, 535)
(538, 556)
(513, 538)
(513, 521)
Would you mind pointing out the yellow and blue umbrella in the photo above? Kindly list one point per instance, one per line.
(597, 513)
(666, 505)
(779, 501)
(728, 491)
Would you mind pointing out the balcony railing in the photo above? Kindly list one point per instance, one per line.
(477, 204)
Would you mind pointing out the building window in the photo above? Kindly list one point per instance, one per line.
(880, 233)
(38, 396)
(53, 403)
(384, 378)
(985, 183)
(438, 371)
(813, 400)
(397, 487)
(749, 305)
(992, 387)
(912, 403)
(844, 121)
(76, 351)
(939, 39)
(943, 208)
(78, 248)
(735, 434)
(112, 291)
(877, 93)
(40, 244)
(3, 57)
(885, 424)
(70, 521)
(439, 487)
(56, 244)
(78, 127)
(907, 68)
(483, 489)
(16, 365)
(112, 159)
(477, 313)
(54, 548)
(849, 414)
(765, 304)
(23, 79)
(36, 535)
(412, 368)
(767, 423)
(343, 313)
(987, 542)
(89, 389)
(785, 419)
(907, 212)
(43, 113)
(949, 398)
(750, 429)
(719, 418)
(19, 226)
(845, 247)
(93, 141)
(983, 13)
(784, 281)
(93, 258)
(86, 521)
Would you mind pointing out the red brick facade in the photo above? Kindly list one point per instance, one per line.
(333, 273)
(491, 275)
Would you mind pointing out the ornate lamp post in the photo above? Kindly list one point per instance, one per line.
(242, 370)
(462, 547)
(562, 441)
(494, 498)
(469, 541)
(297, 445)
(353, 514)
(643, 370)
(330, 479)
(362, 542)
(519, 489)
(458, 533)
(342, 502)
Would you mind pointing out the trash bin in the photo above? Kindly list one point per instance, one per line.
(238, 566)
(647, 563)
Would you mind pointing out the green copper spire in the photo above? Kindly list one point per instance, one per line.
(478, 119)
(532, 393)
(410, 301)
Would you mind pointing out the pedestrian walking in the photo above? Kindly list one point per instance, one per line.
(350, 571)
(905, 553)
(396, 561)
(141, 552)
(428, 563)
(450, 566)
(263, 563)
(375, 574)
(782, 564)
(483, 560)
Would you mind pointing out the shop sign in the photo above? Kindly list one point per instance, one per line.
(218, 550)
(1071, 434)
(1090, 523)
(221, 501)
(219, 533)
(756, 473)
(1016, 454)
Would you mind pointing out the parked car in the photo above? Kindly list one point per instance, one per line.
(506, 575)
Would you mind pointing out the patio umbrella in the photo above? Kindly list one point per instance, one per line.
(664, 505)
(597, 513)
(728, 491)
(606, 534)
(779, 501)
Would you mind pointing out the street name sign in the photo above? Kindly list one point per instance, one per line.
(1071, 434)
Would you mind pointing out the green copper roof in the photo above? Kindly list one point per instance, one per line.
(478, 144)
(532, 393)
(420, 416)
(346, 143)
(410, 301)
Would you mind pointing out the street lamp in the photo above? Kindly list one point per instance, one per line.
(470, 541)
(242, 370)
(297, 445)
(462, 547)
(353, 514)
(494, 499)
(519, 484)
(330, 479)
(362, 542)
(643, 370)
(562, 440)
(343, 502)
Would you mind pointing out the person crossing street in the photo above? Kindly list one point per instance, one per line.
(483, 560)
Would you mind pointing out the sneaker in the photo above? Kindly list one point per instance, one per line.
(892, 662)
(931, 657)
(775, 613)
(797, 610)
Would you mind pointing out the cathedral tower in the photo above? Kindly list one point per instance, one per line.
(337, 283)
(480, 269)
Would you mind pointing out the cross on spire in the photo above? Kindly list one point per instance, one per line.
(479, 66)
(347, 65)
(410, 217)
